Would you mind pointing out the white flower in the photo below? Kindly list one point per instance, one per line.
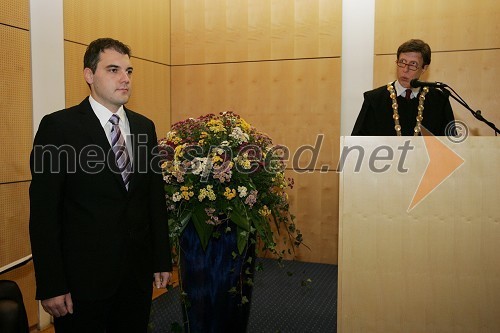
(242, 190)
(199, 164)
(218, 151)
(176, 197)
(239, 135)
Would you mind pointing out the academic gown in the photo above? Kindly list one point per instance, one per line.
(376, 115)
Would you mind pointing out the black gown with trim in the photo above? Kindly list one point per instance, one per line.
(375, 117)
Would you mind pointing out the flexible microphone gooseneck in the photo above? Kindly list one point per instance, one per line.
(415, 83)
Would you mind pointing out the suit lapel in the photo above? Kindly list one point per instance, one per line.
(134, 135)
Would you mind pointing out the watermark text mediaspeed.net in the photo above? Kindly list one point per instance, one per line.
(92, 159)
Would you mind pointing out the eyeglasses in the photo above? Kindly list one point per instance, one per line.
(411, 67)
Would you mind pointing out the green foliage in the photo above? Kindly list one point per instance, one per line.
(218, 168)
(224, 176)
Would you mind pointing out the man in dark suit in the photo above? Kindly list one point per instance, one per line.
(98, 219)
(399, 109)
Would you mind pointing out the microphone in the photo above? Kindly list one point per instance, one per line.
(415, 83)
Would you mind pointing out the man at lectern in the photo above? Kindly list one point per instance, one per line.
(400, 109)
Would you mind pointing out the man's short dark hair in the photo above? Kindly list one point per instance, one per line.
(416, 45)
(92, 54)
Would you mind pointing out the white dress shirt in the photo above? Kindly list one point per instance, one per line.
(401, 91)
(103, 114)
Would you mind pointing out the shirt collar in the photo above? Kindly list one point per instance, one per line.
(401, 91)
(103, 114)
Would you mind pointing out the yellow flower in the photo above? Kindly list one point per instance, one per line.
(211, 196)
(216, 159)
(264, 211)
(244, 161)
(172, 136)
(169, 166)
(186, 194)
(178, 153)
(243, 124)
(229, 193)
(216, 126)
(207, 192)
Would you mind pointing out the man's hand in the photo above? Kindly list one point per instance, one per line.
(161, 279)
(58, 306)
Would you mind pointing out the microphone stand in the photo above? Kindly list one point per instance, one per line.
(476, 114)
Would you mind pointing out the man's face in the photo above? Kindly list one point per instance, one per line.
(111, 83)
(409, 61)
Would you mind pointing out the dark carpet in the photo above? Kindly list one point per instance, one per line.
(283, 301)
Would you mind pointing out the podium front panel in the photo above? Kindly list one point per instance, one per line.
(419, 235)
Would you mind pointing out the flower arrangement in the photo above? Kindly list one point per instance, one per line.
(218, 168)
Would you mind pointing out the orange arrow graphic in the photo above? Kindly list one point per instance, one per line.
(442, 163)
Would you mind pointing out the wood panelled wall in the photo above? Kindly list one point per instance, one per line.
(465, 40)
(16, 132)
(276, 64)
(142, 25)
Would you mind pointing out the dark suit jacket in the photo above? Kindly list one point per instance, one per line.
(375, 117)
(86, 229)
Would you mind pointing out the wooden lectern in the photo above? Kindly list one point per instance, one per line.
(419, 235)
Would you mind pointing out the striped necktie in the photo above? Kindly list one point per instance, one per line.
(120, 150)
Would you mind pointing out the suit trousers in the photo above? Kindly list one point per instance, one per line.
(127, 310)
